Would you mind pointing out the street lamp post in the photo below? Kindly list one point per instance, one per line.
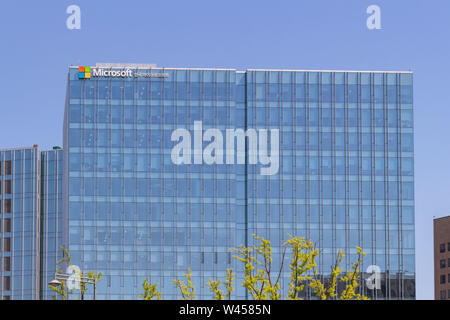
(65, 277)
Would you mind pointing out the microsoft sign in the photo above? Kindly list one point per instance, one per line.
(90, 72)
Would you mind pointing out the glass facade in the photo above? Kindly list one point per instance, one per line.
(345, 175)
(51, 218)
(346, 168)
(19, 224)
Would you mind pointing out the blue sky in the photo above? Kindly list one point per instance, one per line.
(37, 49)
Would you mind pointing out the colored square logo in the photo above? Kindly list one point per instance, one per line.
(84, 72)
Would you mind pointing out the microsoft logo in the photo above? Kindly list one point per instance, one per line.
(88, 72)
(84, 72)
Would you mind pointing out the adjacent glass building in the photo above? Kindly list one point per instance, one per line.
(30, 221)
(50, 218)
(345, 175)
(19, 222)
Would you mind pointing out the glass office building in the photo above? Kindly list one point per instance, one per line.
(51, 218)
(19, 222)
(30, 221)
(344, 179)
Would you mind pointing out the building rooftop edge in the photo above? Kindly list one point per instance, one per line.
(28, 148)
(445, 217)
(324, 70)
(243, 71)
(16, 149)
